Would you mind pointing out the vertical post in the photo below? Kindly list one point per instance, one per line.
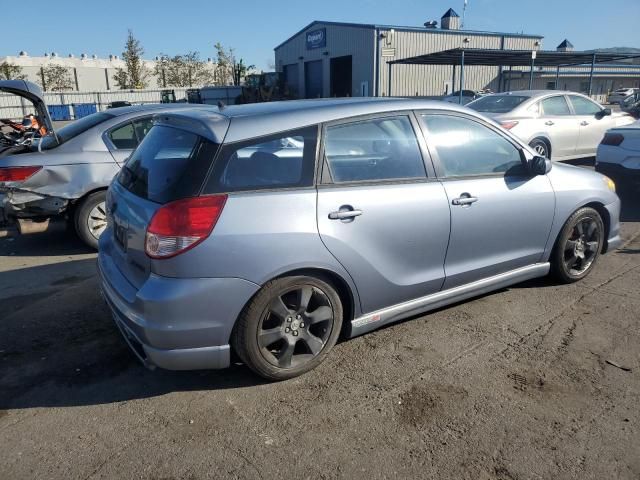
(533, 61)
(389, 65)
(557, 77)
(461, 75)
(508, 88)
(453, 79)
(593, 64)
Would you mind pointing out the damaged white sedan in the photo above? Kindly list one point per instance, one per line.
(65, 173)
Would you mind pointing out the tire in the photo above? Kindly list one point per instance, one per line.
(89, 218)
(289, 327)
(578, 246)
(541, 147)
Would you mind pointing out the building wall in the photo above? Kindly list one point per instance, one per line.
(340, 40)
(432, 80)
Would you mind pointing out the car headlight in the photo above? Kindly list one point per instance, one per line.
(611, 185)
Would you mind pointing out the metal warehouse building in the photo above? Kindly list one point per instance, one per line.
(327, 59)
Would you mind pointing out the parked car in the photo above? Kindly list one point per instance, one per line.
(620, 95)
(467, 96)
(619, 155)
(277, 254)
(67, 172)
(557, 125)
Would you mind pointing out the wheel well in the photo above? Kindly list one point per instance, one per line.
(546, 142)
(604, 213)
(341, 286)
(79, 200)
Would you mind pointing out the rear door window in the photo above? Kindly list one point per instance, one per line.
(124, 137)
(168, 165)
(371, 150)
(284, 160)
(555, 106)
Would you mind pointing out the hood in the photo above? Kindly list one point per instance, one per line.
(32, 92)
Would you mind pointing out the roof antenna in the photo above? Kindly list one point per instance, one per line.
(221, 105)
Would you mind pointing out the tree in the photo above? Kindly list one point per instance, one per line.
(183, 71)
(8, 71)
(134, 74)
(240, 71)
(55, 78)
(224, 65)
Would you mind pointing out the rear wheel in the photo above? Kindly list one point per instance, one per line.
(289, 327)
(578, 246)
(90, 218)
(541, 147)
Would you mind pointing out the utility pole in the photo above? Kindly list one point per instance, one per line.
(464, 11)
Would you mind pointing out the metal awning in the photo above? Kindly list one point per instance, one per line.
(513, 58)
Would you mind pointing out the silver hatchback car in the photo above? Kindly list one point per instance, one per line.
(272, 229)
(558, 125)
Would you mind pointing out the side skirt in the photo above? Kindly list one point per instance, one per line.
(377, 319)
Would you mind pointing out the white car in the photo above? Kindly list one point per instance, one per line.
(618, 155)
(620, 95)
(558, 125)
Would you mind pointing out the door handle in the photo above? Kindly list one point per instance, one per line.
(464, 200)
(345, 214)
(549, 123)
(584, 123)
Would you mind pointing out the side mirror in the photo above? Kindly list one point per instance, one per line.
(605, 112)
(539, 165)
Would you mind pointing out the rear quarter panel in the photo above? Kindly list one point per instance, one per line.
(258, 237)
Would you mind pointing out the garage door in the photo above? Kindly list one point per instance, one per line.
(313, 79)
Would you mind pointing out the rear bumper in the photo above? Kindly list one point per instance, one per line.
(175, 323)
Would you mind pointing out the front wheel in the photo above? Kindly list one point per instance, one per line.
(578, 246)
(90, 218)
(289, 327)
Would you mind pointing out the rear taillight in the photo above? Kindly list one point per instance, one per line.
(613, 139)
(17, 174)
(508, 125)
(178, 226)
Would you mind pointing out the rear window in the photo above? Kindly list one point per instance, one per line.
(283, 160)
(168, 165)
(497, 103)
(75, 128)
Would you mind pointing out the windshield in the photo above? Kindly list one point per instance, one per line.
(75, 128)
(497, 103)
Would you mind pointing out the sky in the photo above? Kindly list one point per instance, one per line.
(254, 27)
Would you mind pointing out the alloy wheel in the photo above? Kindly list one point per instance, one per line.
(581, 248)
(296, 326)
(97, 219)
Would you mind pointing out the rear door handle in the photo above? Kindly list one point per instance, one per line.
(584, 123)
(345, 214)
(549, 123)
(464, 200)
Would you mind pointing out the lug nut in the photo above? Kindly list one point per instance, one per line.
(287, 330)
(302, 325)
(295, 333)
(289, 319)
(298, 317)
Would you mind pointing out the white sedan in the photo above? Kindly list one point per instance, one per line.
(618, 155)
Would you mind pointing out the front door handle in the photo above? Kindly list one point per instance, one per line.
(584, 123)
(345, 213)
(549, 123)
(464, 200)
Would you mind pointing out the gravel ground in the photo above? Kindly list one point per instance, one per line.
(528, 382)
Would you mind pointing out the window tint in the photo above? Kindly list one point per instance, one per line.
(75, 128)
(497, 103)
(555, 106)
(285, 160)
(378, 149)
(582, 106)
(168, 165)
(466, 147)
(124, 137)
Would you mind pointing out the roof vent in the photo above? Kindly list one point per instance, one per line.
(23, 53)
(450, 20)
(565, 46)
(83, 56)
(431, 24)
(54, 54)
(94, 56)
(71, 55)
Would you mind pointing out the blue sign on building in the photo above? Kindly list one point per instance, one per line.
(317, 39)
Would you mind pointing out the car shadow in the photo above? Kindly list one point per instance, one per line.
(59, 347)
(58, 240)
(630, 199)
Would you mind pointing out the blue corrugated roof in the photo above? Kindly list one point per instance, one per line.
(409, 29)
